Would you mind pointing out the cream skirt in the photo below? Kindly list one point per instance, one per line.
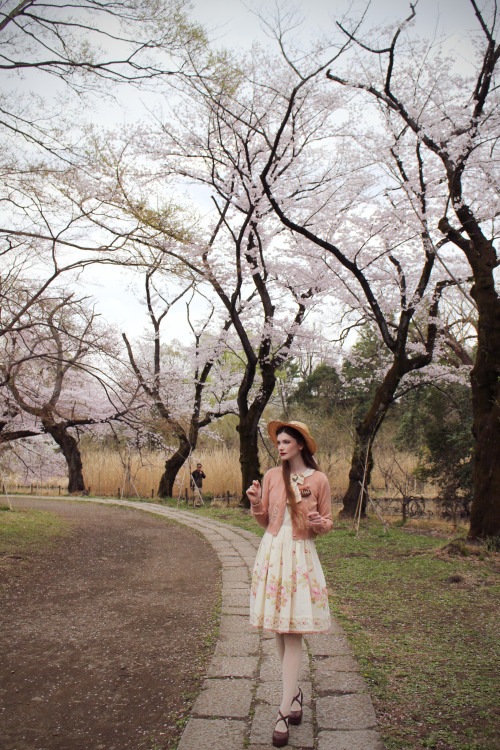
(288, 593)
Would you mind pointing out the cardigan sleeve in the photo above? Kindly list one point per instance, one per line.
(260, 510)
(325, 505)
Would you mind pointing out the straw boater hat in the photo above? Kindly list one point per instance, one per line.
(273, 428)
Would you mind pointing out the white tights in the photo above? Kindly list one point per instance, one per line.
(289, 647)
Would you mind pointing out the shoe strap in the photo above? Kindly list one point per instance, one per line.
(283, 718)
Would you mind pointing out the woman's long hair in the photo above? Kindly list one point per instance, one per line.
(298, 517)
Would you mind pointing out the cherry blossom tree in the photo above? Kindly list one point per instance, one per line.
(239, 251)
(55, 376)
(54, 59)
(186, 387)
(32, 461)
(452, 117)
(14, 423)
(88, 47)
(358, 208)
(368, 207)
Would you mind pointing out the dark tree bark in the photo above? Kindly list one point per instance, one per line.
(249, 452)
(188, 438)
(71, 451)
(248, 426)
(260, 359)
(172, 467)
(366, 431)
(393, 335)
(485, 382)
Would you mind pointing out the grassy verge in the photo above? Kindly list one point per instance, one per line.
(422, 617)
(421, 610)
(232, 514)
(24, 531)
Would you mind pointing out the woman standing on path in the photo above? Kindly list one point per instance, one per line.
(289, 593)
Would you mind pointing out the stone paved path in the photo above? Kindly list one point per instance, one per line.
(241, 694)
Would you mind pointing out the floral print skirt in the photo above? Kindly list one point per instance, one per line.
(288, 593)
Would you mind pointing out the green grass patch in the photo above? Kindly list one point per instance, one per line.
(232, 514)
(22, 531)
(422, 616)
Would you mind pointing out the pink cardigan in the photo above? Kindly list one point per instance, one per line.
(270, 510)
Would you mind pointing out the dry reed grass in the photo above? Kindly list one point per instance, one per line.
(106, 472)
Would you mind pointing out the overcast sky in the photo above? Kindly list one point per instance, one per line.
(235, 25)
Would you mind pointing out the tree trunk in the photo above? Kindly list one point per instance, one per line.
(362, 459)
(361, 469)
(71, 451)
(485, 382)
(172, 468)
(249, 452)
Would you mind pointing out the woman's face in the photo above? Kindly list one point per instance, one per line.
(288, 446)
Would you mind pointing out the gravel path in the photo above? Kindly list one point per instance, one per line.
(102, 633)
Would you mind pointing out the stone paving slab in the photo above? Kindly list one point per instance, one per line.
(248, 534)
(328, 644)
(240, 598)
(340, 683)
(264, 723)
(220, 734)
(232, 624)
(245, 643)
(332, 664)
(224, 699)
(233, 562)
(235, 574)
(345, 712)
(235, 611)
(233, 666)
(232, 586)
(249, 561)
(266, 635)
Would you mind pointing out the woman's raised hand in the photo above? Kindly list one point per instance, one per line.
(315, 521)
(254, 493)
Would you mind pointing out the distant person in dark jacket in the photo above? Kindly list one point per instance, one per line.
(197, 477)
